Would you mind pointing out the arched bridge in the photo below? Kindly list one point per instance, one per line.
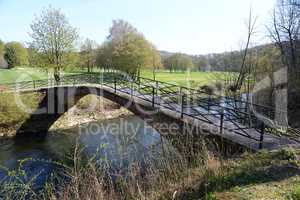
(224, 117)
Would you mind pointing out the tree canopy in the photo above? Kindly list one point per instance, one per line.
(178, 62)
(127, 49)
(54, 37)
(3, 63)
(1, 47)
(88, 54)
(15, 54)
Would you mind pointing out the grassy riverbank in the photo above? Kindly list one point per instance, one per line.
(15, 109)
(263, 175)
(201, 175)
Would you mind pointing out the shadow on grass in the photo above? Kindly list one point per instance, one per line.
(256, 173)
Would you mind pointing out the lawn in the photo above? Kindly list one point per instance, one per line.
(260, 176)
(20, 74)
(192, 79)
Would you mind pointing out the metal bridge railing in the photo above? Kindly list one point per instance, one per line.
(213, 109)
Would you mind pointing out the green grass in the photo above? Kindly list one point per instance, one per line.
(264, 175)
(20, 74)
(192, 79)
(14, 109)
(188, 79)
(295, 193)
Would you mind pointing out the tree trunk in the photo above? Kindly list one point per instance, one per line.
(57, 74)
(154, 77)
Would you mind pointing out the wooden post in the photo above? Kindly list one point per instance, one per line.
(33, 84)
(262, 133)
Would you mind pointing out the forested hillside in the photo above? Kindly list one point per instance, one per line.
(264, 55)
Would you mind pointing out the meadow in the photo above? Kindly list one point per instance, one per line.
(189, 79)
(19, 74)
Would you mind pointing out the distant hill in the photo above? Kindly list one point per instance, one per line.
(226, 61)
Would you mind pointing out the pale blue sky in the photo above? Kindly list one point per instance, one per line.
(189, 26)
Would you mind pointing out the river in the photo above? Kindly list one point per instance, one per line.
(118, 141)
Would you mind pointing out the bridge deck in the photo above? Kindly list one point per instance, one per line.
(270, 142)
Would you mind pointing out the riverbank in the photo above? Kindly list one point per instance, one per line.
(194, 174)
(88, 109)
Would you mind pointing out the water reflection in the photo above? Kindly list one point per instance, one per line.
(119, 142)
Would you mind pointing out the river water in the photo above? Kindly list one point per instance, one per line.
(119, 141)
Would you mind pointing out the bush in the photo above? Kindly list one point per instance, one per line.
(219, 86)
(208, 89)
(295, 194)
(11, 112)
(287, 154)
(210, 196)
(15, 54)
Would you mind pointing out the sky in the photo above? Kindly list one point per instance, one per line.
(187, 26)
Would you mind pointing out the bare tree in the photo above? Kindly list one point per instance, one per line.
(54, 37)
(243, 69)
(88, 54)
(285, 32)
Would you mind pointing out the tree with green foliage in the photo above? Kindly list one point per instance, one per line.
(202, 64)
(53, 37)
(88, 54)
(104, 55)
(132, 53)
(1, 47)
(178, 62)
(15, 54)
(3, 63)
(36, 58)
(119, 29)
(156, 62)
(268, 61)
(126, 49)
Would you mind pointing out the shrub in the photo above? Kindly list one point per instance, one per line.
(287, 154)
(295, 194)
(210, 90)
(219, 86)
(11, 113)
